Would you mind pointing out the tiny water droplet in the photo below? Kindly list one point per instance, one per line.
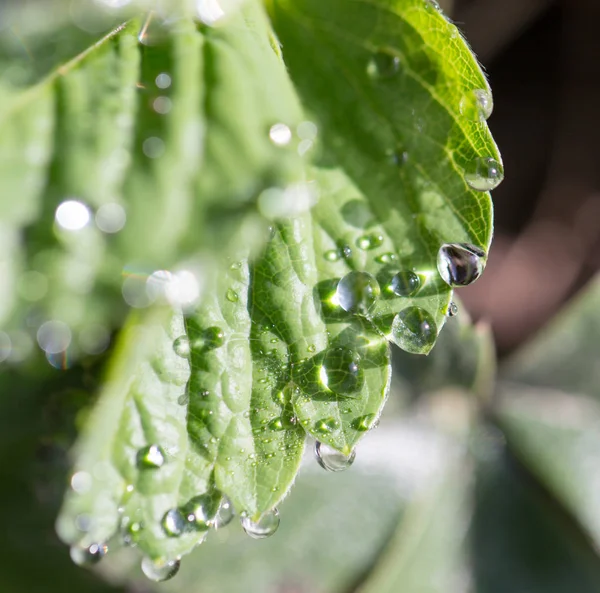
(224, 515)
(398, 157)
(364, 423)
(367, 242)
(88, 556)
(331, 460)
(414, 330)
(265, 527)
(232, 296)
(150, 457)
(357, 292)
(405, 283)
(181, 346)
(477, 105)
(342, 372)
(131, 532)
(383, 64)
(326, 425)
(174, 523)
(460, 264)
(386, 258)
(452, 309)
(484, 174)
(159, 571)
(312, 348)
(332, 255)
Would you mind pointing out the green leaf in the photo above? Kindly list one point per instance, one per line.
(393, 87)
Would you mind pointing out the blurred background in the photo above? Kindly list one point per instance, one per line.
(483, 474)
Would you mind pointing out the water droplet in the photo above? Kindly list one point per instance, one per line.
(54, 337)
(326, 425)
(153, 147)
(181, 346)
(174, 523)
(213, 337)
(452, 310)
(357, 292)
(280, 134)
(150, 457)
(383, 64)
(398, 157)
(342, 372)
(484, 174)
(276, 424)
(201, 510)
(371, 241)
(88, 556)
(265, 527)
(460, 264)
(232, 296)
(332, 255)
(110, 218)
(224, 514)
(331, 460)
(477, 105)
(163, 81)
(162, 105)
(159, 571)
(131, 532)
(364, 423)
(81, 482)
(386, 258)
(414, 330)
(405, 283)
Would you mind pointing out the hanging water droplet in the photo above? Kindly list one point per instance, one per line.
(341, 371)
(405, 283)
(232, 296)
(150, 457)
(88, 556)
(386, 258)
(383, 64)
(484, 174)
(357, 292)
(224, 514)
(332, 255)
(367, 242)
(477, 105)
(433, 4)
(364, 423)
(414, 330)
(452, 310)
(174, 523)
(326, 425)
(181, 346)
(331, 460)
(201, 510)
(158, 571)
(265, 527)
(460, 264)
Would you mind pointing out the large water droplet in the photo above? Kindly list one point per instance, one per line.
(200, 511)
(331, 460)
(181, 346)
(265, 527)
(405, 283)
(383, 64)
(414, 330)
(88, 556)
(224, 514)
(477, 105)
(150, 457)
(342, 372)
(158, 571)
(460, 264)
(371, 241)
(213, 337)
(326, 425)
(174, 523)
(484, 174)
(357, 292)
(364, 423)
